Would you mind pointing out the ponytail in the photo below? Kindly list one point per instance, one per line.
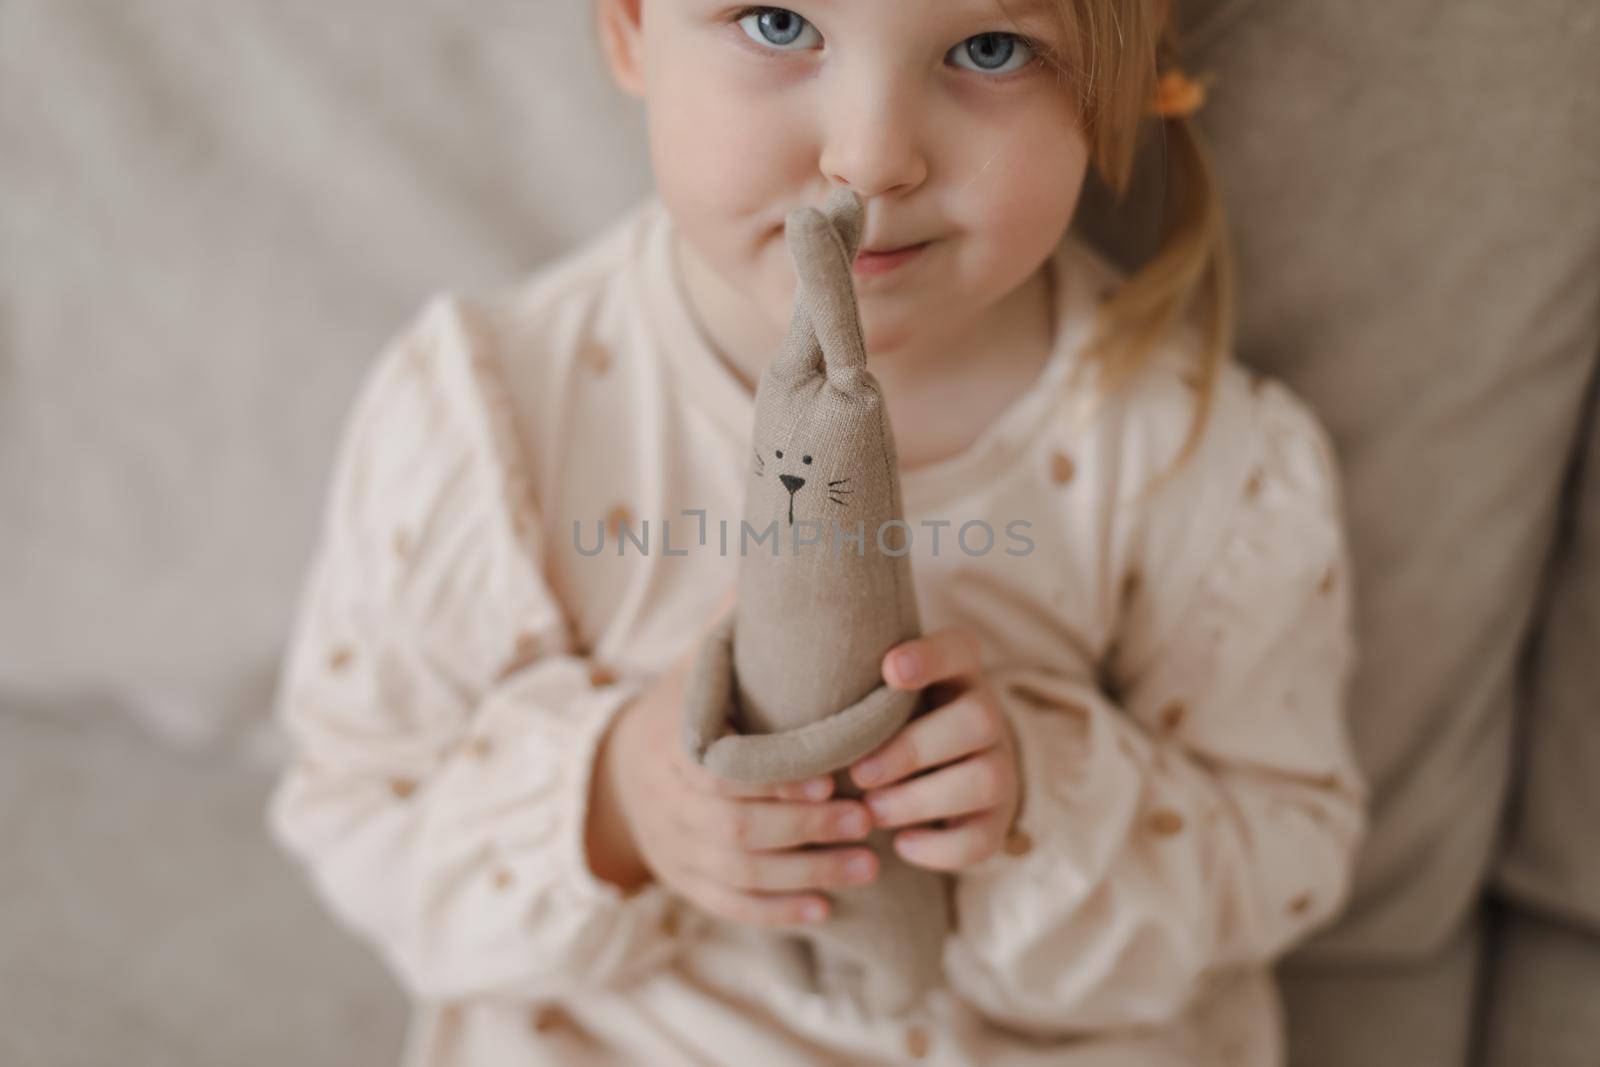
(1123, 45)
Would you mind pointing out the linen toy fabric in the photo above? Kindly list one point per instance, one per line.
(789, 684)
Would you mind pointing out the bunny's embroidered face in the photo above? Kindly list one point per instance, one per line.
(834, 489)
(817, 458)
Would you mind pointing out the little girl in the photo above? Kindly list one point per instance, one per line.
(1134, 768)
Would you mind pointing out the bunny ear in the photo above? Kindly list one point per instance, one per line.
(844, 209)
(826, 295)
(801, 355)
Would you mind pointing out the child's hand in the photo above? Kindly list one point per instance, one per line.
(978, 792)
(736, 850)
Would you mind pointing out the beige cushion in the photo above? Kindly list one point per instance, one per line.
(1362, 1014)
(217, 953)
(1540, 1007)
(1552, 861)
(213, 215)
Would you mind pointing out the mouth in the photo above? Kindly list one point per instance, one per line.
(881, 261)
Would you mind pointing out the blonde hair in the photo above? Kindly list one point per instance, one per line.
(1117, 52)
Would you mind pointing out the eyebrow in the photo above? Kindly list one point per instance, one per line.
(1019, 10)
(1035, 16)
(1024, 9)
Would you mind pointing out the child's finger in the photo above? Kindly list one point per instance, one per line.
(757, 909)
(952, 653)
(724, 826)
(976, 783)
(967, 724)
(819, 787)
(964, 842)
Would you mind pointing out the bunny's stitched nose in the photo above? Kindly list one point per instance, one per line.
(791, 482)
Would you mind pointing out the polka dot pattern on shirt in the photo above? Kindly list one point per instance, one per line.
(1172, 716)
(546, 1017)
(917, 1042)
(1328, 577)
(527, 648)
(1131, 583)
(1164, 822)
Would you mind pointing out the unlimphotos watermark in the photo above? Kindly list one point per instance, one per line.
(975, 537)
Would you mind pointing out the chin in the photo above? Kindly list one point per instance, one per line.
(886, 338)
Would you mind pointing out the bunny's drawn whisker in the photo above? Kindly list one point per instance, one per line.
(839, 481)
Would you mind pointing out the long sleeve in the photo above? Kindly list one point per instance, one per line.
(443, 726)
(1195, 807)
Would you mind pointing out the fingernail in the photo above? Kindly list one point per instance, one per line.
(814, 912)
(817, 789)
(859, 867)
(854, 823)
(875, 804)
(907, 664)
(867, 771)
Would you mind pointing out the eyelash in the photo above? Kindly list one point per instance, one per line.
(1037, 48)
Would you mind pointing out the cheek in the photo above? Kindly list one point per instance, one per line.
(1043, 194)
(727, 153)
(1023, 203)
(723, 141)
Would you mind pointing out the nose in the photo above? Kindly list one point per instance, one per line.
(872, 139)
(791, 482)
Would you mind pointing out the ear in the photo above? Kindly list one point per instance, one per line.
(823, 244)
(845, 211)
(620, 24)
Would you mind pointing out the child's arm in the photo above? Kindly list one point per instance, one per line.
(444, 730)
(1209, 815)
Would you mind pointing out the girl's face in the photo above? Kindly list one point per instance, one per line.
(941, 114)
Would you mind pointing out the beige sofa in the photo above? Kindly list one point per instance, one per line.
(212, 216)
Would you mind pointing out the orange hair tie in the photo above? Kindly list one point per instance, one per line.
(1177, 96)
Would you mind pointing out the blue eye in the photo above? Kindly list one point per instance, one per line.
(993, 53)
(779, 28)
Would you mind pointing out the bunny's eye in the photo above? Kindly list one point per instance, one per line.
(805, 459)
(780, 453)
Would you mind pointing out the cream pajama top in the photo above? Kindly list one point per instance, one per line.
(1174, 663)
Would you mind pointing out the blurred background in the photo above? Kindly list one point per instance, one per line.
(213, 215)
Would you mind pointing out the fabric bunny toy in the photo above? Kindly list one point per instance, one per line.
(790, 684)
